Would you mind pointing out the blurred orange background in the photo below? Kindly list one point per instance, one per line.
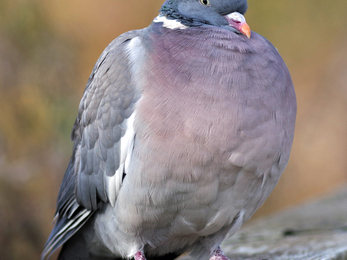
(48, 49)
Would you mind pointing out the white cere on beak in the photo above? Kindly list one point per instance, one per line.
(236, 17)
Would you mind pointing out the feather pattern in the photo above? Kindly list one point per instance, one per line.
(183, 131)
(102, 136)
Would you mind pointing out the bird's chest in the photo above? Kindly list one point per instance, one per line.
(179, 166)
(196, 104)
(185, 124)
(195, 88)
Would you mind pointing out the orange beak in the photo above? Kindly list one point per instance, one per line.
(244, 29)
(238, 21)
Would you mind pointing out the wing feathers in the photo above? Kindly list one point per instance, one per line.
(63, 230)
(96, 168)
(108, 102)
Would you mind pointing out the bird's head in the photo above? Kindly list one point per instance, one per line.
(222, 13)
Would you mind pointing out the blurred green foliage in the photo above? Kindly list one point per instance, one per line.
(37, 78)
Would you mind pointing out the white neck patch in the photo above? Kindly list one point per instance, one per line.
(170, 24)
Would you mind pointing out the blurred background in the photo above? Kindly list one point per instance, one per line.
(48, 49)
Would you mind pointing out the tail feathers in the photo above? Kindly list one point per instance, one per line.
(64, 229)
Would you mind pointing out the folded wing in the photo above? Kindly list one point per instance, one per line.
(102, 136)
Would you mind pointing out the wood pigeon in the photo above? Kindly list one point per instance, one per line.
(182, 132)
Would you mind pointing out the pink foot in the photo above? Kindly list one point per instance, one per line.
(218, 254)
(139, 256)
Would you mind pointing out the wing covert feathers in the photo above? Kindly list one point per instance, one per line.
(95, 171)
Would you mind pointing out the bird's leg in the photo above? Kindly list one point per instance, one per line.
(139, 255)
(218, 254)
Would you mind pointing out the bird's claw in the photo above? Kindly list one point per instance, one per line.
(218, 254)
(139, 256)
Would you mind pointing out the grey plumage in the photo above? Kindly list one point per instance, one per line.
(181, 135)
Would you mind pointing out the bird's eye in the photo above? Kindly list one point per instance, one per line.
(205, 2)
